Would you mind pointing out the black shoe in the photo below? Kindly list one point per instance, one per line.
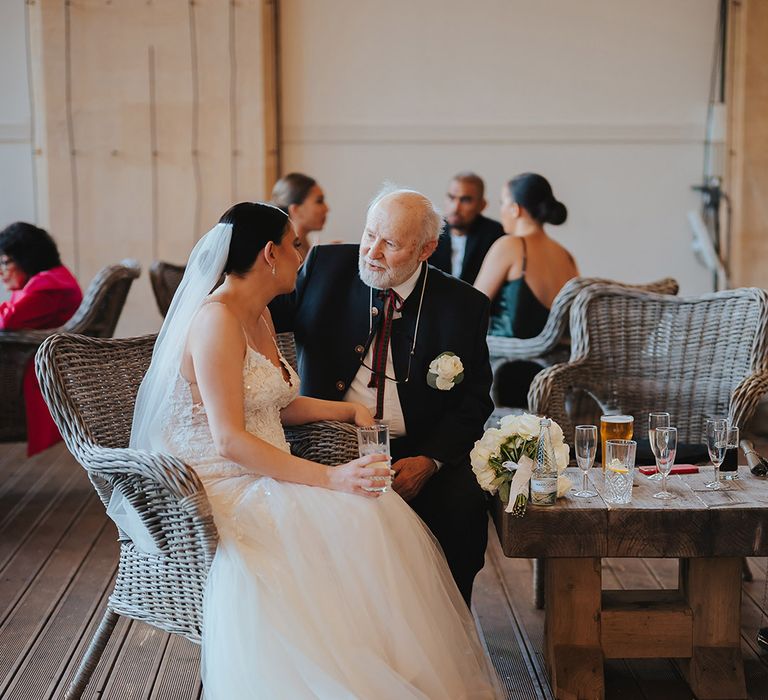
(762, 637)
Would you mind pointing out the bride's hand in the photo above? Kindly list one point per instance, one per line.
(356, 476)
(361, 416)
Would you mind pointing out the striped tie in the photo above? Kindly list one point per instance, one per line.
(392, 302)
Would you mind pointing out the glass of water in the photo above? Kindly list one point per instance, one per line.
(657, 419)
(374, 440)
(619, 470)
(585, 446)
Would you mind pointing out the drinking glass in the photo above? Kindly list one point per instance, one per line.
(732, 442)
(717, 444)
(619, 470)
(666, 447)
(615, 428)
(374, 440)
(585, 442)
(657, 419)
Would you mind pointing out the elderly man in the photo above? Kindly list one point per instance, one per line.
(467, 234)
(368, 321)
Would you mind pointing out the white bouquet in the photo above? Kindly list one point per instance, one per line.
(507, 452)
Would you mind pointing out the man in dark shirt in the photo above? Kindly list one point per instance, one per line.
(467, 234)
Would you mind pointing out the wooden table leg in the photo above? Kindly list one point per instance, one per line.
(572, 628)
(712, 587)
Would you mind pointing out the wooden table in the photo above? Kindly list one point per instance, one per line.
(698, 623)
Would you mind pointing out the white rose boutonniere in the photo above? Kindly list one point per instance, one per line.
(445, 371)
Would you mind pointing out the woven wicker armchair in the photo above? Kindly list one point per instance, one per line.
(96, 316)
(165, 278)
(90, 386)
(555, 331)
(635, 352)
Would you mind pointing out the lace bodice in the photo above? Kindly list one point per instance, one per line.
(187, 434)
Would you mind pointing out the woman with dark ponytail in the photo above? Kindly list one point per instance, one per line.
(524, 270)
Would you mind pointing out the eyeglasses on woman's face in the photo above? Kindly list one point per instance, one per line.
(5, 262)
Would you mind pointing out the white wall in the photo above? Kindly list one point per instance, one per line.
(607, 99)
(16, 183)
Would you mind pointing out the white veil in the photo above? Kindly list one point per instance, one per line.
(204, 268)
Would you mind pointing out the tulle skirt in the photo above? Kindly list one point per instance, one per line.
(319, 594)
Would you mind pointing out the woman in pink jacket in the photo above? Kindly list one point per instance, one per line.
(44, 294)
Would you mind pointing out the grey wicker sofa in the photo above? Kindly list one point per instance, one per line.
(96, 316)
(636, 351)
(90, 386)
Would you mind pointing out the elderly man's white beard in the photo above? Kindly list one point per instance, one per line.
(383, 279)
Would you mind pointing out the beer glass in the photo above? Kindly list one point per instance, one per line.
(615, 428)
(374, 440)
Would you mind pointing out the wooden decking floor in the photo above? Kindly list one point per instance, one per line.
(58, 557)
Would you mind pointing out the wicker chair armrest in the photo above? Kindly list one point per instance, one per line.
(500, 347)
(29, 338)
(745, 398)
(161, 488)
(549, 390)
(326, 442)
(167, 471)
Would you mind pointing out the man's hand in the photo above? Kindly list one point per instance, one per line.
(411, 475)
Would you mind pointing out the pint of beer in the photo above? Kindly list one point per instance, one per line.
(615, 428)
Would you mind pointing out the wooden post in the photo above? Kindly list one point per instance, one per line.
(712, 588)
(572, 628)
(746, 179)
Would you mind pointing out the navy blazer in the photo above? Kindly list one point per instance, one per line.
(480, 237)
(333, 323)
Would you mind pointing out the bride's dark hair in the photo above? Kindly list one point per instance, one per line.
(534, 193)
(253, 225)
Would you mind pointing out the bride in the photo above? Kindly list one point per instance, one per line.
(319, 588)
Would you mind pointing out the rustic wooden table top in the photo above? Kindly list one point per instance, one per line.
(698, 523)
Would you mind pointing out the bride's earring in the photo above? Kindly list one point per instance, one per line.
(274, 270)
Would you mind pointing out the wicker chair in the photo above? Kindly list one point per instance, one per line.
(90, 386)
(634, 351)
(165, 278)
(96, 316)
(554, 336)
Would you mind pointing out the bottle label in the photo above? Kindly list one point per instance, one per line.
(543, 491)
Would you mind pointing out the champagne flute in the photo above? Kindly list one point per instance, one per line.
(717, 444)
(666, 447)
(585, 445)
(657, 419)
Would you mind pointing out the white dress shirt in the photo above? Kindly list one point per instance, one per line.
(458, 247)
(359, 390)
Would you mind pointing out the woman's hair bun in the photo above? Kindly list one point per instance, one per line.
(556, 213)
(534, 193)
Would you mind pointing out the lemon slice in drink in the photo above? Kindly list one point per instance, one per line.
(619, 470)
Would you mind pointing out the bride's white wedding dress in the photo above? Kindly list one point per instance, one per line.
(316, 593)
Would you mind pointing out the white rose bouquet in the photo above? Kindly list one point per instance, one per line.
(497, 455)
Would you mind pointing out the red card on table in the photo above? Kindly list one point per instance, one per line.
(679, 469)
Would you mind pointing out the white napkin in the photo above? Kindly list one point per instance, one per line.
(519, 486)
